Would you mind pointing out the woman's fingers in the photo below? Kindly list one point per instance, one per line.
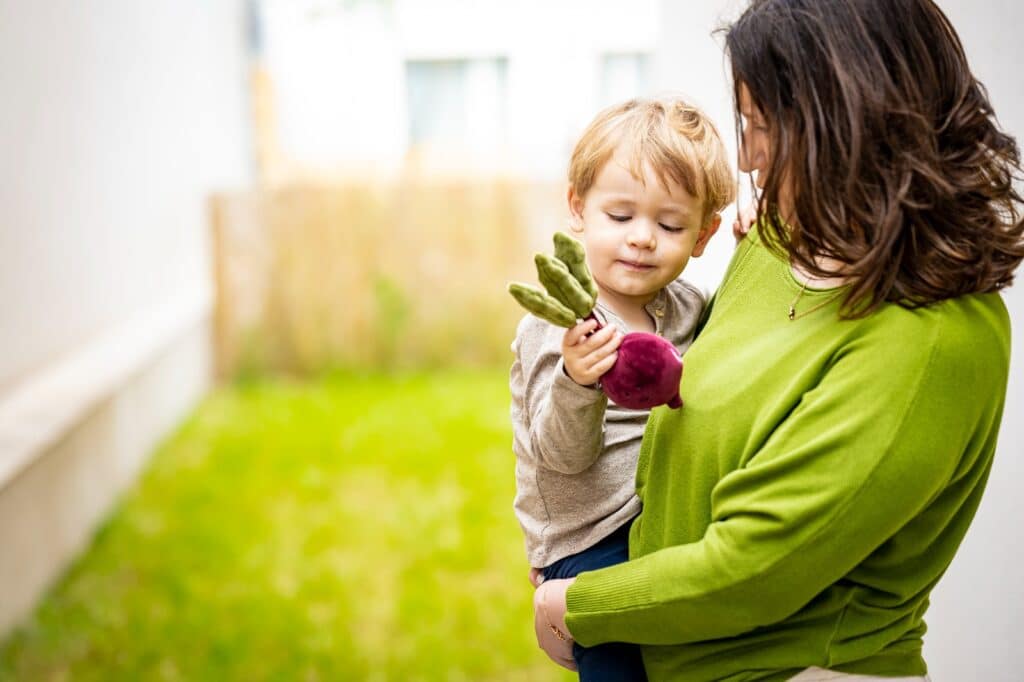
(737, 230)
(745, 218)
(558, 649)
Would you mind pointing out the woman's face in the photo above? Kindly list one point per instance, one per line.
(755, 152)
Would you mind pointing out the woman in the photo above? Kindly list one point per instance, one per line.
(843, 399)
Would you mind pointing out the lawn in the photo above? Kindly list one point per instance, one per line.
(351, 528)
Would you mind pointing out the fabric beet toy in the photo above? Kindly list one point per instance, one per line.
(648, 368)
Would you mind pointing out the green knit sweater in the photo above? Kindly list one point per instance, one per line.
(815, 486)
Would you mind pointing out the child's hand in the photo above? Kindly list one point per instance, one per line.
(587, 358)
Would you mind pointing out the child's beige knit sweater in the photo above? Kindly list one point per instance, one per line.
(576, 451)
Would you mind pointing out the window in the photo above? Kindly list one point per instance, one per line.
(457, 102)
(623, 76)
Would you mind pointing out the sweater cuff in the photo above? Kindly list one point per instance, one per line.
(594, 599)
(567, 386)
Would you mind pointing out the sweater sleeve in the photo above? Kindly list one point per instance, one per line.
(864, 452)
(563, 420)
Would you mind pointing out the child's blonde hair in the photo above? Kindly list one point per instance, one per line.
(677, 139)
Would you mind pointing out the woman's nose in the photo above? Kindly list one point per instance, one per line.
(744, 159)
(749, 158)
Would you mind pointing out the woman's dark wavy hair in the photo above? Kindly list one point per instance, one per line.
(895, 161)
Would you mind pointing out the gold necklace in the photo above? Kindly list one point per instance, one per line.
(793, 315)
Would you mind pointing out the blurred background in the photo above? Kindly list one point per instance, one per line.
(254, 330)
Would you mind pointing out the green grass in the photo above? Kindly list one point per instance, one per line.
(352, 528)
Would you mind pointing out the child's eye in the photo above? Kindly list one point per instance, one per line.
(671, 228)
(618, 218)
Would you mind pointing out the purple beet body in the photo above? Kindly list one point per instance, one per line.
(646, 373)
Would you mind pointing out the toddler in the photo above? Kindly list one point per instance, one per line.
(647, 182)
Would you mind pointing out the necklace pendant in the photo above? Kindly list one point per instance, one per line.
(792, 313)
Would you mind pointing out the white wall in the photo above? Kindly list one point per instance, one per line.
(117, 118)
(976, 621)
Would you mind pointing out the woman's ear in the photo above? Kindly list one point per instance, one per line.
(575, 210)
(705, 235)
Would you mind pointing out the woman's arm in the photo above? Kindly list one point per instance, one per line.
(862, 456)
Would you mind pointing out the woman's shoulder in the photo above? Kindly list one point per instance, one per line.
(968, 333)
(967, 320)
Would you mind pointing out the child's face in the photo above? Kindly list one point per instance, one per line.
(638, 236)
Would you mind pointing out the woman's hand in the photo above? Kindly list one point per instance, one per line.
(587, 358)
(745, 218)
(549, 622)
(536, 577)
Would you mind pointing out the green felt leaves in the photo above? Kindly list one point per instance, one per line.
(571, 252)
(542, 305)
(571, 291)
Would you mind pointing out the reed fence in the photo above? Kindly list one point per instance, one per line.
(385, 276)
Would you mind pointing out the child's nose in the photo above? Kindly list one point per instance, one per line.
(641, 235)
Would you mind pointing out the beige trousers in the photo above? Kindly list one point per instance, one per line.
(821, 675)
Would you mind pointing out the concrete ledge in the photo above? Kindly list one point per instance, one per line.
(74, 437)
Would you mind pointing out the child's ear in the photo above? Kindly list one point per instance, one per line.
(706, 233)
(575, 210)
